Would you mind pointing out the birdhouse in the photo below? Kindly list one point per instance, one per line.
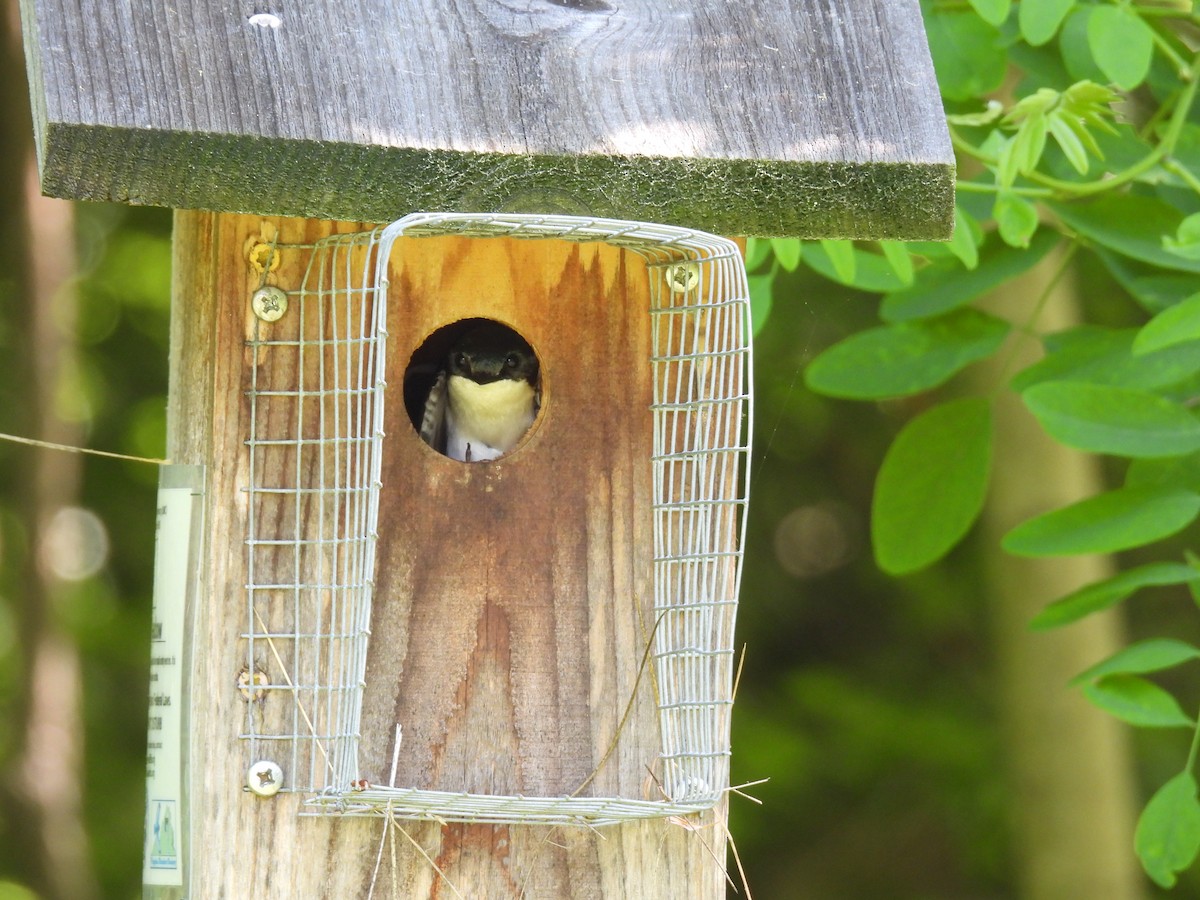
(473, 481)
(394, 586)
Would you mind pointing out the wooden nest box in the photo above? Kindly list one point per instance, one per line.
(474, 639)
(526, 637)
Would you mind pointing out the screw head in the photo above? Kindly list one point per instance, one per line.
(269, 303)
(263, 257)
(265, 20)
(683, 277)
(252, 687)
(264, 778)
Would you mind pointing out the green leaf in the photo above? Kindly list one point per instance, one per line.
(931, 485)
(1070, 137)
(1187, 150)
(1176, 471)
(1107, 419)
(1150, 286)
(1116, 520)
(757, 252)
(992, 111)
(1111, 591)
(897, 360)
(1039, 20)
(1078, 125)
(1037, 66)
(1168, 831)
(10, 890)
(940, 288)
(1008, 162)
(1030, 140)
(899, 259)
(967, 57)
(996, 144)
(1073, 42)
(1152, 655)
(1085, 105)
(841, 254)
(1105, 356)
(787, 251)
(1122, 45)
(1068, 115)
(1137, 701)
(1193, 588)
(994, 12)
(1016, 218)
(963, 243)
(1124, 147)
(1038, 103)
(1174, 325)
(761, 299)
(1186, 242)
(871, 271)
(1129, 224)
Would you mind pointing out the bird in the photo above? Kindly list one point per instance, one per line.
(485, 396)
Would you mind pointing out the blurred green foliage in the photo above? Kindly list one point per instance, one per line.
(1075, 123)
(129, 250)
(116, 392)
(867, 701)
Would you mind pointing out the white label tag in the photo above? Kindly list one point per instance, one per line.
(178, 492)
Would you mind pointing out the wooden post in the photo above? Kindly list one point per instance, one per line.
(502, 672)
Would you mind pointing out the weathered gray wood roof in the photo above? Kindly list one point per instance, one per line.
(801, 117)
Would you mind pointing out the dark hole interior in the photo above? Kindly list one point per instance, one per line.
(429, 359)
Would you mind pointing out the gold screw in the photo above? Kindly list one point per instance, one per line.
(264, 257)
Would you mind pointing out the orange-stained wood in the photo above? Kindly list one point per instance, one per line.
(513, 595)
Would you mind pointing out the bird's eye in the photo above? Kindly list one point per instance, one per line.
(512, 360)
(460, 360)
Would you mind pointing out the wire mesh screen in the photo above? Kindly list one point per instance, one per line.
(315, 448)
(315, 427)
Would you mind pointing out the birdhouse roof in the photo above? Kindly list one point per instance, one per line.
(812, 118)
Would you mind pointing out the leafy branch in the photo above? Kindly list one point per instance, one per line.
(1057, 165)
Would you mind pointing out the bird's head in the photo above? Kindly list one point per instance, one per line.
(492, 352)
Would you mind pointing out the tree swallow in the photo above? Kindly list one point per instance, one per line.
(485, 397)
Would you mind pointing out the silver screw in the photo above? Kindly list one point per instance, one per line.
(265, 778)
(683, 277)
(269, 303)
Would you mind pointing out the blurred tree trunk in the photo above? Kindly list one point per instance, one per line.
(1069, 764)
(40, 796)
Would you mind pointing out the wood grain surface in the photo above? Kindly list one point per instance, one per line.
(509, 613)
(804, 117)
(513, 599)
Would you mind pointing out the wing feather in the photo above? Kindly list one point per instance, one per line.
(433, 422)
